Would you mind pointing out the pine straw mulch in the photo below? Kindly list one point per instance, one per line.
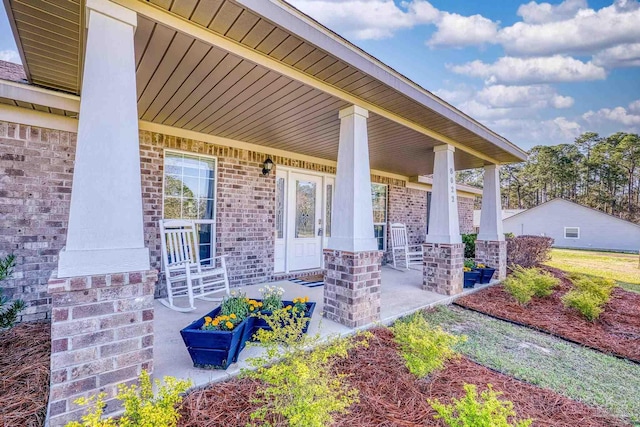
(391, 396)
(24, 378)
(616, 331)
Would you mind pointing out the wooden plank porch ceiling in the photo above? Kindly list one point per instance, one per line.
(187, 83)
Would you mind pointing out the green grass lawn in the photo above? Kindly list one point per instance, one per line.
(622, 268)
(574, 371)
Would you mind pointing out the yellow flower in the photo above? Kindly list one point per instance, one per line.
(481, 266)
(215, 322)
(260, 304)
(251, 308)
(288, 307)
(467, 269)
(232, 315)
(229, 325)
(207, 319)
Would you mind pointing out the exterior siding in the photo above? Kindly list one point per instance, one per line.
(597, 230)
(35, 193)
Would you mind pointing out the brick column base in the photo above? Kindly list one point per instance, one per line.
(493, 253)
(352, 287)
(101, 336)
(442, 268)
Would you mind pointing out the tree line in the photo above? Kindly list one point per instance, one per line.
(595, 171)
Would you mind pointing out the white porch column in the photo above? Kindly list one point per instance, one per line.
(352, 227)
(352, 260)
(491, 248)
(491, 213)
(105, 232)
(443, 249)
(444, 225)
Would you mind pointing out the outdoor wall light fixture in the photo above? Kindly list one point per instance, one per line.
(267, 166)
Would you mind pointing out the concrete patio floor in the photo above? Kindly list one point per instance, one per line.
(401, 294)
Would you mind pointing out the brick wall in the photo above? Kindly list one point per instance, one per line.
(465, 214)
(409, 206)
(36, 170)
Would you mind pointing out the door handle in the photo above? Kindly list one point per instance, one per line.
(320, 231)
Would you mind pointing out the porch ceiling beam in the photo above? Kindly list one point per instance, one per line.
(192, 29)
(40, 96)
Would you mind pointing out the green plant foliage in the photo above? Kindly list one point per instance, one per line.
(586, 303)
(525, 283)
(141, 407)
(469, 263)
(237, 304)
(271, 297)
(472, 410)
(589, 295)
(469, 241)
(8, 312)
(302, 387)
(424, 348)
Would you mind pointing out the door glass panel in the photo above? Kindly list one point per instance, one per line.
(305, 209)
(327, 215)
(280, 208)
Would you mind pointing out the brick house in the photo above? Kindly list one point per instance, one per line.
(127, 112)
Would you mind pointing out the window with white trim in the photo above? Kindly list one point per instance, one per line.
(572, 232)
(190, 193)
(379, 201)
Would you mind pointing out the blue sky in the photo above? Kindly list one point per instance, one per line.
(537, 73)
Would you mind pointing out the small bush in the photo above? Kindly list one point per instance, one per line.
(303, 387)
(472, 410)
(526, 283)
(528, 251)
(8, 312)
(469, 241)
(423, 347)
(589, 296)
(587, 304)
(141, 408)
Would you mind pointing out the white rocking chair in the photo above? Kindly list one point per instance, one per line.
(400, 249)
(185, 274)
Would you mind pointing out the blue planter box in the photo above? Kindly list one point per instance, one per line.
(471, 278)
(486, 274)
(214, 349)
(262, 324)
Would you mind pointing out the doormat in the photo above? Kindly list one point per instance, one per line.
(310, 281)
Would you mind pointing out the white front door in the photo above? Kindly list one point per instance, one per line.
(304, 225)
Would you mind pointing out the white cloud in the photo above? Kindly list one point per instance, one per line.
(534, 96)
(628, 117)
(532, 70)
(528, 132)
(539, 13)
(457, 30)
(10, 56)
(589, 31)
(368, 19)
(625, 55)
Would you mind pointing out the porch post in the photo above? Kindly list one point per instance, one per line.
(102, 292)
(443, 250)
(491, 248)
(352, 259)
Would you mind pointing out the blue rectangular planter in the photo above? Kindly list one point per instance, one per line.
(213, 349)
(486, 274)
(262, 324)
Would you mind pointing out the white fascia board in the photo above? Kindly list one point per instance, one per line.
(291, 19)
(40, 96)
(24, 116)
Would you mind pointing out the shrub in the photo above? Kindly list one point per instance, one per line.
(141, 408)
(526, 283)
(469, 241)
(473, 411)
(303, 387)
(423, 347)
(528, 251)
(8, 312)
(589, 296)
(587, 304)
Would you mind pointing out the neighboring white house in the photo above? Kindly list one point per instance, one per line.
(506, 213)
(575, 226)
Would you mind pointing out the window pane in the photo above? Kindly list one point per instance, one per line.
(305, 209)
(379, 233)
(172, 208)
(280, 208)
(204, 233)
(327, 226)
(379, 199)
(189, 186)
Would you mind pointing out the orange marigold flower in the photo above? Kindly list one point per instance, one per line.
(229, 325)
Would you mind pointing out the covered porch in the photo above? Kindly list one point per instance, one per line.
(401, 294)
